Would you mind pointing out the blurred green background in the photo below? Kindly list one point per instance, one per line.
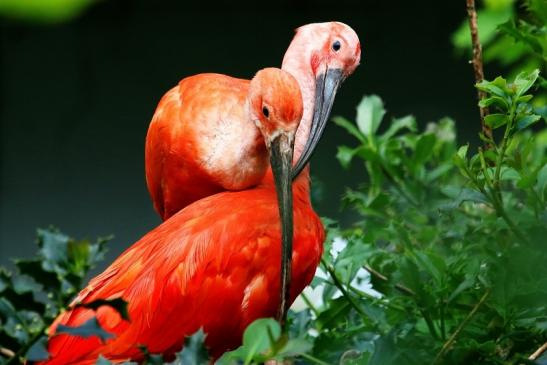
(80, 79)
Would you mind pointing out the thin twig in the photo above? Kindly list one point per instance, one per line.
(538, 352)
(496, 204)
(345, 293)
(313, 359)
(452, 338)
(7, 352)
(309, 304)
(398, 286)
(477, 62)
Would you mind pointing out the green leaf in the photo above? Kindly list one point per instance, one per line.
(88, 329)
(43, 11)
(345, 155)
(496, 87)
(424, 148)
(459, 159)
(103, 361)
(538, 8)
(511, 29)
(257, 338)
(194, 351)
(494, 100)
(391, 350)
(38, 351)
(524, 81)
(527, 120)
(464, 285)
(495, 120)
(525, 98)
(369, 114)
(295, 347)
(399, 124)
(151, 359)
(349, 127)
(542, 179)
(433, 263)
(367, 154)
(118, 304)
(34, 269)
(337, 310)
(460, 195)
(54, 247)
(462, 151)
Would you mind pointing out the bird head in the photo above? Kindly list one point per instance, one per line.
(275, 104)
(332, 52)
(276, 107)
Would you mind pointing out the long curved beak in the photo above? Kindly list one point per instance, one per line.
(327, 84)
(281, 155)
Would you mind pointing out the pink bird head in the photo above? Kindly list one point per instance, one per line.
(275, 103)
(318, 47)
(321, 56)
(332, 45)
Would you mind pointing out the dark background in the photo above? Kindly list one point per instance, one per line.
(77, 97)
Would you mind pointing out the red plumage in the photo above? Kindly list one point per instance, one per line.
(210, 266)
(190, 145)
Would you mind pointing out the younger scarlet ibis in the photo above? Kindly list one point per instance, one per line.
(190, 143)
(213, 265)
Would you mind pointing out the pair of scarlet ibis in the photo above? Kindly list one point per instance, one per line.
(214, 262)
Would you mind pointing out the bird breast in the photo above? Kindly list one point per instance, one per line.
(232, 151)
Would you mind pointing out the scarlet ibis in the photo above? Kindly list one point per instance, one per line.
(213, 265)
(190, 143)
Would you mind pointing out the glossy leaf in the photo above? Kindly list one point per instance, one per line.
(495, 121)
(370, 113)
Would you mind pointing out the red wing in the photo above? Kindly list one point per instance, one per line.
(214, 265)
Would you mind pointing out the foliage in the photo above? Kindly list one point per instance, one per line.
(41, 289)
(445, 260)
(44, 11)
(453, 241)
(513, 34)
(439, 245)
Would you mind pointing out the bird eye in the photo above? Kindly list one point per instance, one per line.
(336, 46)
(265, 111)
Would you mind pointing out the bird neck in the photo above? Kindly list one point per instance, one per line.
(296, 62)
(300, 186)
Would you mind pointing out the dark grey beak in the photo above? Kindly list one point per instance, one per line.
(327, 85)
(281, 155)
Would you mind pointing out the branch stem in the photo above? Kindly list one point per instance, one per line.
(382, 277)
(345, 293)
(477, 62)
(538, 352)
(6, 352)
(309, 304)
(313, 359)
(452, 338)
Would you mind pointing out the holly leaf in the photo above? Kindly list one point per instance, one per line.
(38, 351)
(89, 328)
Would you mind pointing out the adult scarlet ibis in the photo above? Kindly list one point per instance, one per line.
(190, 142)
(213, 265)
